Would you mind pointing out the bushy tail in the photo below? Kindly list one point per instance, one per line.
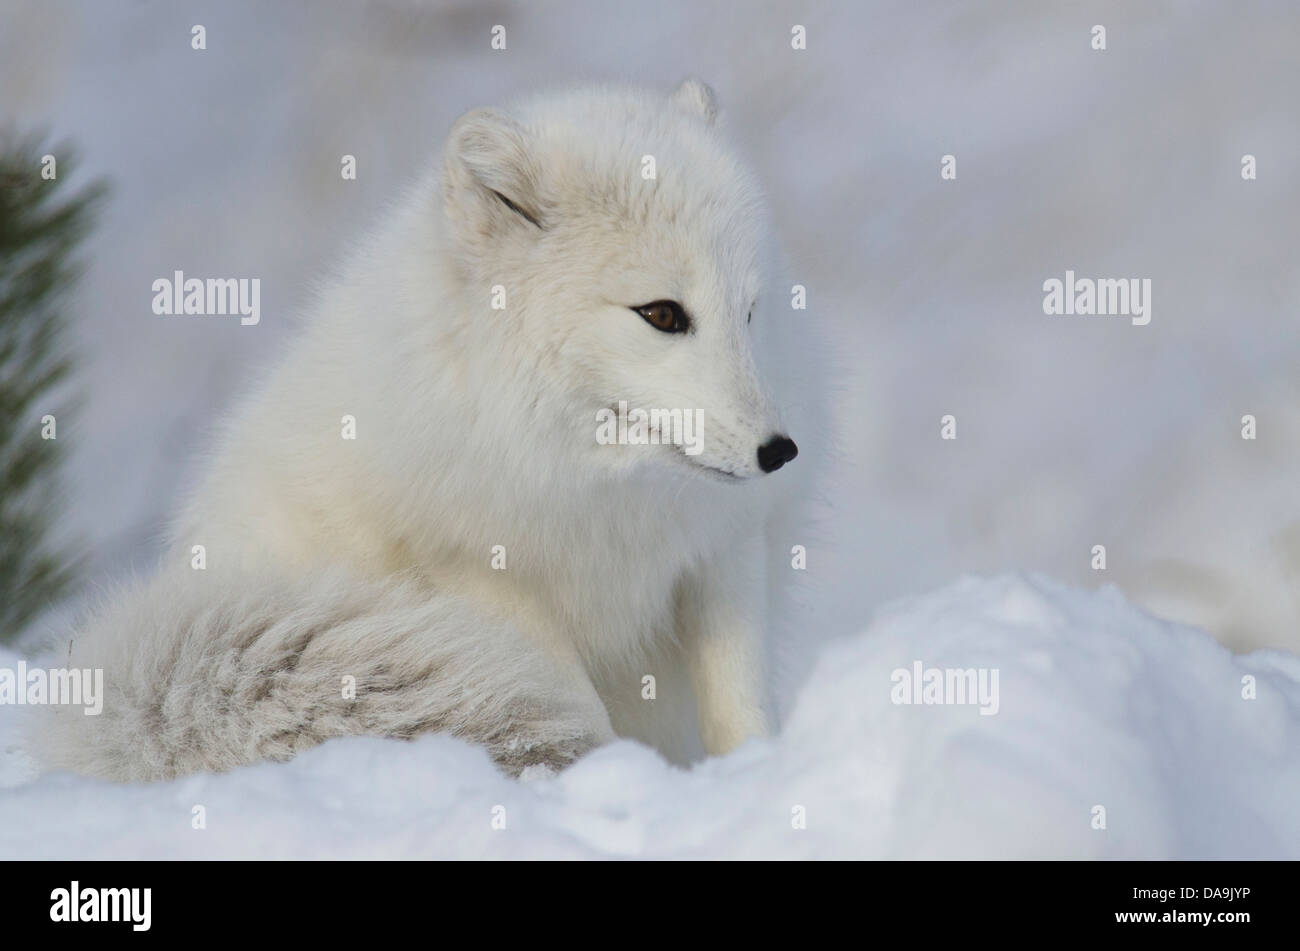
(205, 673)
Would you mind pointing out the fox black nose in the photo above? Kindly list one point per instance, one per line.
(776, 452)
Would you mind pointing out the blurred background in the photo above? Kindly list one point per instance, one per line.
(1071, 432)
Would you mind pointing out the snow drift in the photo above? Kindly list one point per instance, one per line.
(1191, 752)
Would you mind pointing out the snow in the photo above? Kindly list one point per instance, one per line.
(1099, 704)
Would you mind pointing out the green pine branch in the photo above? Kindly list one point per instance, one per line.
(42, 226)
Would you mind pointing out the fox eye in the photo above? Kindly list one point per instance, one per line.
(665, 315)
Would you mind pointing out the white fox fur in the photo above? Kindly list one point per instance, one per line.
(372, 558)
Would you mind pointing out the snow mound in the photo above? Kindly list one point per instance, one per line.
(1097, 705)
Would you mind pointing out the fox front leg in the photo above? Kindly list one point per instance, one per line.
(721, 609)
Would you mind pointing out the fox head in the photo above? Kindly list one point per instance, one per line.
(618, 248)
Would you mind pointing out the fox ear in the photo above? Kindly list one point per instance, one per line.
(696, 97)
(489, 177)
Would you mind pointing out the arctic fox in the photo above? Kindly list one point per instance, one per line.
(412, 525)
